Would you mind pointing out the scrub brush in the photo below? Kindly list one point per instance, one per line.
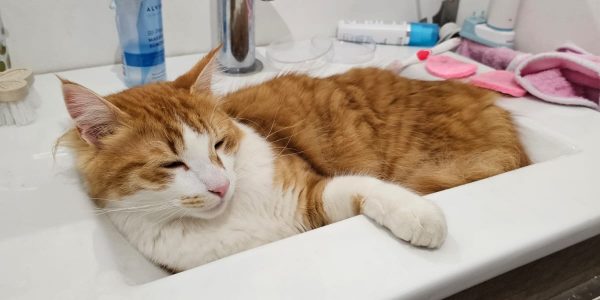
(16, 108)
(421, 55)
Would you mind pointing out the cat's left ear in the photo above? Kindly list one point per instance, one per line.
(94, 116)
(198, 79)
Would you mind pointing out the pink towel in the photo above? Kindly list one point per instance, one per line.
(497, 58)
(569, 76)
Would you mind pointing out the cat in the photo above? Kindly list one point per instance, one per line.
(188, 177)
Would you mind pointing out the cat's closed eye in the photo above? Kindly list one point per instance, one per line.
(219, 144)
(174, 165)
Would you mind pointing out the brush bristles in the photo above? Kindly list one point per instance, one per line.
(18, 113)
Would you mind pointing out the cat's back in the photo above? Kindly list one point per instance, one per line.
(365, 94)
(372, 121)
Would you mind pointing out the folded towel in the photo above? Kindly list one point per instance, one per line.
(497, 58)
(569, 76)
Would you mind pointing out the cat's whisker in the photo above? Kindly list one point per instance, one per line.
(100, 211)
(288, 154)
(167, 216)
(295, 133)
(124, 204)
(242, 120)
(212, 114)
(157, 210)
(273, 122)
(116, 200)
(159, 214)
(105, 199)
(127, 203)
(182, 214)
(284, 128)
(271, 129)
(284, 147)
(224, 120)
(283, 138)
(244, 110)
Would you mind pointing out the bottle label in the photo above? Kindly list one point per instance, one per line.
(145, 59)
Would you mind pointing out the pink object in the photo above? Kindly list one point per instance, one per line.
(447, 67)
(423, 54)
(497, 58)
(569, 76)
(501, 81)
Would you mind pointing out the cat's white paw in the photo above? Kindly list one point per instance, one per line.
(408, 216)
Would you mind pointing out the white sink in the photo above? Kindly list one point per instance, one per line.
(541, 144)
(53, 245)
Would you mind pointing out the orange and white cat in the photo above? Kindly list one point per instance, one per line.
(186, 183)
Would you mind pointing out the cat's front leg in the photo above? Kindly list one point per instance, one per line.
(406, 214)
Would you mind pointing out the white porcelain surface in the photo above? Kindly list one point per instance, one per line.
(54, 246)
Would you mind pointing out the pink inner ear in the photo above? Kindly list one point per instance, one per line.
(93, 116)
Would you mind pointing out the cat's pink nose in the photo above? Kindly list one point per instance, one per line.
(220, 190)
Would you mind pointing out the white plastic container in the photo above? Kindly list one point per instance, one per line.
(413, 34)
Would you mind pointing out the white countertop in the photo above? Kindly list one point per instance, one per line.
(53, 246)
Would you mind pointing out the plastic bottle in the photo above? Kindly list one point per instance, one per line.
(412, 34)
(139, 23)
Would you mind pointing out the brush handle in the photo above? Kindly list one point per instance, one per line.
(448, 45)
(14, 84)
(422, 55)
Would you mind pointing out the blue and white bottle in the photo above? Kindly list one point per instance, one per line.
(139, 23)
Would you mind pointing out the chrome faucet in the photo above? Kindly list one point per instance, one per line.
(235, 21)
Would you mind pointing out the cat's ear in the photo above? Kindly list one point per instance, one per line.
(94, 117)
(198, 79)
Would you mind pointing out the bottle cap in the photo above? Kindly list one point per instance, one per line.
(423, 34)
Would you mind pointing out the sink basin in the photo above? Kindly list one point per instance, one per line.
(542, 144)
(53, 244)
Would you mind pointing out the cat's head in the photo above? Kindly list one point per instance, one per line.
(159, 147)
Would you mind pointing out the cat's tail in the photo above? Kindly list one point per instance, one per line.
(443, 174)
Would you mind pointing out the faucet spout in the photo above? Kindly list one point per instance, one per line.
(235, 21)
